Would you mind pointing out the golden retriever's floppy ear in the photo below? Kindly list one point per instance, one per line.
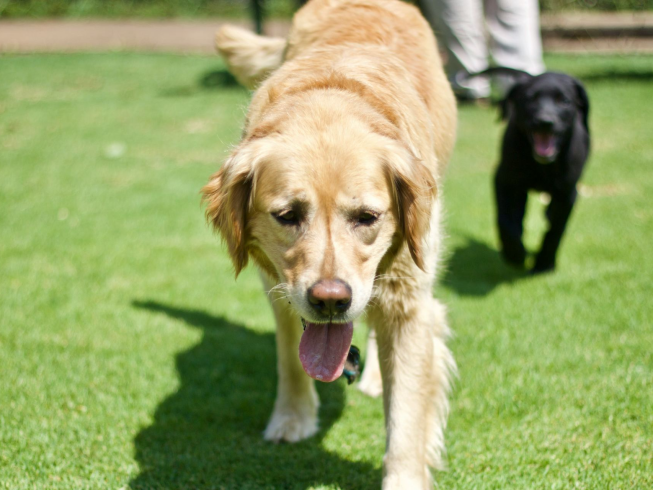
(415, 190)
(228, 199)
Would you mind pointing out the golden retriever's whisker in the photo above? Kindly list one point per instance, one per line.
(285, 296)
(283, 286)
(389, 277)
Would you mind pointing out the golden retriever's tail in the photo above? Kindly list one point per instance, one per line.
(249, 57)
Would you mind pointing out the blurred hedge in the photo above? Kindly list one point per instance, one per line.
(229, 8)
(609, 5)
(140, 8)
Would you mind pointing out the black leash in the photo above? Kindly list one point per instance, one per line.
(498, 70)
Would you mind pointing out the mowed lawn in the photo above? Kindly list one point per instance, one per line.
(130, 358)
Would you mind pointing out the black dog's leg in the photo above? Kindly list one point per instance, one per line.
(558, 214)
(511, 207)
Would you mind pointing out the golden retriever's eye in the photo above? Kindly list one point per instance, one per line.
(287, 217)
(366, 218)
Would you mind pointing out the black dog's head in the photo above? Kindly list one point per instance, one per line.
(546, 108)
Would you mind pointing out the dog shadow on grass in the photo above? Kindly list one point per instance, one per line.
(209, 433)
(475, 269)
(219, 79)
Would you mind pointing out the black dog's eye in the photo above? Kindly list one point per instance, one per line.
(561, 99)
(366, 218)
(289, 217)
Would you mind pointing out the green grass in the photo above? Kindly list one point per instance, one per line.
(129, 357)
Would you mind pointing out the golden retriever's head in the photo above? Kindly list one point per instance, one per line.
(322, 202)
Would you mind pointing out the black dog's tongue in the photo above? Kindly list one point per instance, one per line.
(544, 144)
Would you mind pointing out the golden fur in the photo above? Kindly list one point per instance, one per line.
(352, 115)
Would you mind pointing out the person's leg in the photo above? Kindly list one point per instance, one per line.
(514, 28)
(459, 26)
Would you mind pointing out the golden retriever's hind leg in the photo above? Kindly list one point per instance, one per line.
(371, 383)
(295, 410)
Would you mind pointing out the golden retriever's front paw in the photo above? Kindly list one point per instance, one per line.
(402, 482)
(290, 426)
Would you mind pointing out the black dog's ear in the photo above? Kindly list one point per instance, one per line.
(583, 101)
(505, 104)
(521, 79)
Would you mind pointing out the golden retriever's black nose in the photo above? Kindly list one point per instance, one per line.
(330, 296)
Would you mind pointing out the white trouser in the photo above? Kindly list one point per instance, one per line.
(513, 27)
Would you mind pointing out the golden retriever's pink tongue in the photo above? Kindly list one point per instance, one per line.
(323, 349)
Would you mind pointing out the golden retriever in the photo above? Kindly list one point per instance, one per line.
(334, 193)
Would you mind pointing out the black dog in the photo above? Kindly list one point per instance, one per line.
(545, 147)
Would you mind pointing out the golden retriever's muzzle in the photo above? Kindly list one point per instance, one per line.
(329, 297)
(325, 343)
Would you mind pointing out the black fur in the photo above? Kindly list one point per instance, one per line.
(545, 147)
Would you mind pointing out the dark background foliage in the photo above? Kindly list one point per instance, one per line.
(230, 8)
